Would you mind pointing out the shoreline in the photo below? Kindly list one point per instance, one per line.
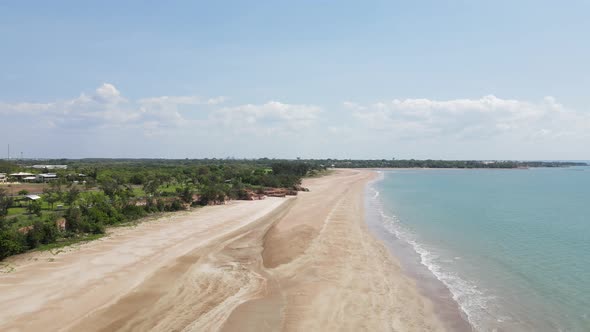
(449, 310)
(301, 263)
(466, 229)
(447, 168)
(327, 271)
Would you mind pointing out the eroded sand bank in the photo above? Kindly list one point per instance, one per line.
(297, 264)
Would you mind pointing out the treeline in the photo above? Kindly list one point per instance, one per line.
(313, 163)
(96, 194)
(7, 166)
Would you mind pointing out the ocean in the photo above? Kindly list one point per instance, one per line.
(509, 249)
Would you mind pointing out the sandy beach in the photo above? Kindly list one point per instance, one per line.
(305, 263)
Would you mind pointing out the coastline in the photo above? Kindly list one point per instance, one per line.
(329, 272)
(487, 245)
(304, 263)
(444, 168)
(448, 309)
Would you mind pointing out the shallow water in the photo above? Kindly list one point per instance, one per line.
(512, 247)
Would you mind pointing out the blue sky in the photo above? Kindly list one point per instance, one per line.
(341, 79)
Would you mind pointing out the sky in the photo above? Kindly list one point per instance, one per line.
(287, 79)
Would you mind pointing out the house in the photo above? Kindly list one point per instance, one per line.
(29, 179)
(21, 176)
(45, 177)
(3, 178)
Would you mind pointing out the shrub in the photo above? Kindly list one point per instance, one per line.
(35, 208)
(50, 233)
(73, 218)
(41, 233)
(33, 238)
(176, 205)
(132, 212)
(11, 243)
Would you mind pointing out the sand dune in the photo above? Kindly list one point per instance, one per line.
(296, 264)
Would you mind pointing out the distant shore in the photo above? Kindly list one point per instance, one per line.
(304, 263)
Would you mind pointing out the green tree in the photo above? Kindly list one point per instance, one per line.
(111, 187)
(186, 193)
(73, 218)
(56, 188)
(151, 186)
(213, 194)
(35, 208)
(50, 197)
(72, 195)
(35, 235)
(11, 241)
(5, 202)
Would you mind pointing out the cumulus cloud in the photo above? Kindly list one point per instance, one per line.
(107, 107)
(471, 118)
(269, 118)
(107, 93)
(480, 127)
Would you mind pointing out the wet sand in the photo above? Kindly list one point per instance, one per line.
(298, 264)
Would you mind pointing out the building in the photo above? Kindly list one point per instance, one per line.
(45, 177)
(20, 176)
(3, 178)
(49, 167)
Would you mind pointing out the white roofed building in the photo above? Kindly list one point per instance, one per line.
(48, 167)
(45, 177)
(21, 175)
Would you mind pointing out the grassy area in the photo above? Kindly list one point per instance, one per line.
(170, 188)
(23, 220)
(45, 209)
(138, 191)
(19, 217)
(46, 206)
(15, 211)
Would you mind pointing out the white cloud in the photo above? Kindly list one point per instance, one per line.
(269, 118)
(107, 93)
(472, 118)
(24, 108)
(106, 107)
(485, 127)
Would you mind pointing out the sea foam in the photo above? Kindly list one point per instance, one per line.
(472, 301)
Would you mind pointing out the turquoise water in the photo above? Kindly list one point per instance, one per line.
(512, 246)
